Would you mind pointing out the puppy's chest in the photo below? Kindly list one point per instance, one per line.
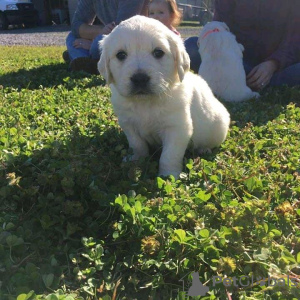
(148, 122)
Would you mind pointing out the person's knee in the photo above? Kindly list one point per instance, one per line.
(95, 48)
(72, 51)
(70, 39)
(191, 45)
(193, 52)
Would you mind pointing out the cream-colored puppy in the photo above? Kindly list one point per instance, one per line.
(157, 101)
(222, 63)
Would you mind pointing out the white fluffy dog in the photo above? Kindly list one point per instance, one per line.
(222, 63)
(156, 99)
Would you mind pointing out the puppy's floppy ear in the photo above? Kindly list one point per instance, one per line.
(181, 58)
(103, 64)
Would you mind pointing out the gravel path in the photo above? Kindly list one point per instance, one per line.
(54, 35)
(39, 36)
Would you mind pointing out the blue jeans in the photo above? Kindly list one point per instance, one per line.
(289, 76)
(79, 52)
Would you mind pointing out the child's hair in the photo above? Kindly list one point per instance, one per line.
(173, 8)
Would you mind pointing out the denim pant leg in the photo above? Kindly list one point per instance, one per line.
(289, 76)
(193, 52)
(75, 52)
(94, 50)
(247, 66)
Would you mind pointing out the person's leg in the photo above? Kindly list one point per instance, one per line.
(94, 50)
(75, 52)
(88, 62)
(289, 76)
(247, 66)
(193, 52)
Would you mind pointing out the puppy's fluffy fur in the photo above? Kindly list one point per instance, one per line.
(222, 63)
(156, 99)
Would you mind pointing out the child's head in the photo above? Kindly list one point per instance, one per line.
(165, 11)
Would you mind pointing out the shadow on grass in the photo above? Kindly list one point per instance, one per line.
(54, 197)
(46, 76)
(268, 107)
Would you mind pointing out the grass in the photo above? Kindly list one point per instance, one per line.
(77, 223)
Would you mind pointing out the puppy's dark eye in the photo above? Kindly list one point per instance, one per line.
(121, 55)
(158, 53)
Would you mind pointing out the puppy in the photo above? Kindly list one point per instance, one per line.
(222, 63)
(157, 101)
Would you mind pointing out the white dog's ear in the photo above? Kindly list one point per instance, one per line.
(241, 47)
(103, 64)
(181, 58)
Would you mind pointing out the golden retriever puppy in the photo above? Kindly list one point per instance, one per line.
(222, 63)
(157, 100)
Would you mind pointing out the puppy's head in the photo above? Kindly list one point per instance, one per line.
(216, 37)
(142, 56)
(215, 24)
(212, 27)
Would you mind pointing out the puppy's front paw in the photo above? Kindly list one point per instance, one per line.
(166, 173)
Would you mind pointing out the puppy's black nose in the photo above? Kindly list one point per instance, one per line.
(140, 80)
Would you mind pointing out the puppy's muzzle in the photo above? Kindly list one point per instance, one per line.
(140, 83)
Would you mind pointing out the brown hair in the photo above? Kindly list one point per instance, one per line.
(173, 8)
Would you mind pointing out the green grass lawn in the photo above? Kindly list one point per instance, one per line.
(77, 223)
